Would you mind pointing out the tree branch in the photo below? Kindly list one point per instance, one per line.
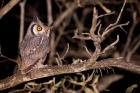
(49, 11)
(8, 7)
(47, 71)
(66, 13)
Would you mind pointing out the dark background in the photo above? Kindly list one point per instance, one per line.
(10, 25)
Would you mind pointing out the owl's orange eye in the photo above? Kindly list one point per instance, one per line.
(46, 29)
(39, 28)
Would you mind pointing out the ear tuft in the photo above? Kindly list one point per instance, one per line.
(35, 19)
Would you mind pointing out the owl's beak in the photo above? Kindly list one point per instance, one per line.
(47, 30)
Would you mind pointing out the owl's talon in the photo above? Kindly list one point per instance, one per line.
(39, 65)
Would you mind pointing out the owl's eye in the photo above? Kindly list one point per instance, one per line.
(46, 29)
(38, 28)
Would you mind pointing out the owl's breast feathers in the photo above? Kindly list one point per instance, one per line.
(32, 49)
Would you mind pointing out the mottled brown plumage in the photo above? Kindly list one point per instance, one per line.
(35, 46)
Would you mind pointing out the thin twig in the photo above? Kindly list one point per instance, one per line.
(103, 15)
(109, 28)
(112, 28)
(106, 81)
(135, 21)
(1, 55)
(134, 42)
(94, 22)
(128, 57)
(58, 60)
(111, 45)
(113, 2)
(104, 8)
(88, 51)
(82, 37)
(65, 53)
(99, 29)
(66, 13)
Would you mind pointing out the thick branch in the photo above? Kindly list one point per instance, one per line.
(18, 78)
(8, 7)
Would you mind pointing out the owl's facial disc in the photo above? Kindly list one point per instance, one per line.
(37, 29)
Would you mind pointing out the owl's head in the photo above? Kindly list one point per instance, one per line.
(38, 28)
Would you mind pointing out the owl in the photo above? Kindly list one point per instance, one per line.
(34, 47)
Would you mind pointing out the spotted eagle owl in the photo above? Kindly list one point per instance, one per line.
(35, 46)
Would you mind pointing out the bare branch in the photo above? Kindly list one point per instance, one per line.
(128, 57)
(18, 78)
(58, 60)
(94, 22)
(8, 7)
(1, 55)
(135, 21)
(49, 11)
(111, 26)
(107, 80)
(119, 16)
(106, 14)
(64, 15)
(65, 53)
(99, 29)
(88, 51)
(22, 14)
(81, 36)
(104, 8)
(111, 45)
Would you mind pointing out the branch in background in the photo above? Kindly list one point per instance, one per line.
(129, 38)
(131, 45)
(103, 7)
(22, 15)
(97, 39)
(59, 20)
(115, 24)
(96, 2)
(111, 45)
(49, 12)
(65, 14)
(8, 7)
(107, 81)
(132, 51)
(12, 3)
(3, 56)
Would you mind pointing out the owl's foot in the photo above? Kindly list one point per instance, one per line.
(40, 65)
